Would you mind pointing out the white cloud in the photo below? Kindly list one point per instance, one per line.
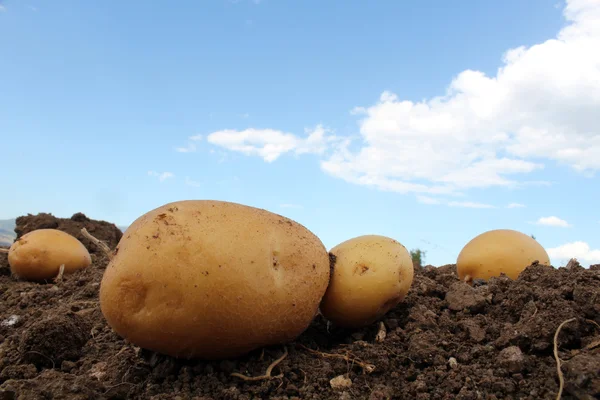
(469, 204)
(270, 144)
(515, 205)
(488, 130)
(553, 221)
(32, 8)
(428, 200)
(190, 148)
(162, 176)
(462, 204)
(2, 8)
(297, 206)
(485, 131)
(192, 183)
(579, 250)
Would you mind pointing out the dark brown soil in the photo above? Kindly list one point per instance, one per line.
(105, 231)
(448, 340)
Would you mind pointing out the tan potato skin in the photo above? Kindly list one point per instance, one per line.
(211, 279)
(39, 254)
(499, 251)
(371, 275)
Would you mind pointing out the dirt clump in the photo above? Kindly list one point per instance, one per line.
(52, 340)
(447, 340)
(102, 230)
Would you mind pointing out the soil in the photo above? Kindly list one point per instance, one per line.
(447, 340)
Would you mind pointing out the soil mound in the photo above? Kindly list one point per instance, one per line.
(105, 231)
(448, 340)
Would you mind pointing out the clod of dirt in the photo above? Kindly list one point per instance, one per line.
(462, 296)
(582, 376)
(512, 359)
(25, 371)
(102, 230)
(50, 341)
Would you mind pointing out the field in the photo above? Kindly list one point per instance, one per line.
(447, 340)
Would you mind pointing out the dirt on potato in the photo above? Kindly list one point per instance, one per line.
(447, 340)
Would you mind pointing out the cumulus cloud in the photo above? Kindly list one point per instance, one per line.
(539, 107)
(270, 144)
(486, 131)
(579, 250)
(553, 221)
(162, 176)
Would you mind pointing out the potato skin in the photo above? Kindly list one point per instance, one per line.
(39, 254)
(499, 251)
(213, 280)
(371, 274)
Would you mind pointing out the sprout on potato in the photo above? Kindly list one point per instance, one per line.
(213, 280)
(371, 274)
(499, 251)
(39, 255)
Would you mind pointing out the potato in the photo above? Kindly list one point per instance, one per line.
(39, 254)
(499, 251)
(371, 274)
(213, 280)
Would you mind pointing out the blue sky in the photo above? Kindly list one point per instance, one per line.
(427, 121)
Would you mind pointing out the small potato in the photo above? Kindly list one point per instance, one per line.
(371, 274)
(213, 280)
(499, 251)
(39, 254)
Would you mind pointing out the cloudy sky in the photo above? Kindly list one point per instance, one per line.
(429, 122)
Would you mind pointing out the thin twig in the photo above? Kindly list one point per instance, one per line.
(267, 374)
(593, 322)
(43, 355)
(368, 368)
(3, 250)
(561, 379)
(103, 246)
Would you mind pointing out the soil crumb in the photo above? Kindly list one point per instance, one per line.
(447, 340)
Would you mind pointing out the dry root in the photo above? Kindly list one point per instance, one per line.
(267, 374)
(4, 250)
(100, 244)
(561, 379)
(61, 272)
(366, 367)
(381, 334)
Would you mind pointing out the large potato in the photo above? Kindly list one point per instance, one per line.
(371, 274)
(211, 279)
(499, 251)
(39, 254)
